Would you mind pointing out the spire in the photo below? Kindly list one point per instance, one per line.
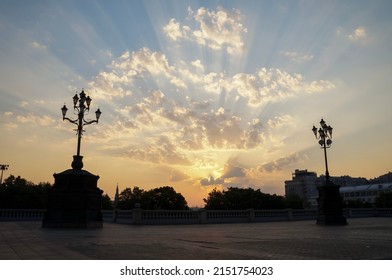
(116, 198)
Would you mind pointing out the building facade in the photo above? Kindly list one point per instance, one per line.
(365, 193)
(304, 184)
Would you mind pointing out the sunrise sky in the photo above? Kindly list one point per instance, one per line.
(196, 94)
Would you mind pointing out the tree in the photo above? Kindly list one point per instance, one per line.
(129, 197)
(106, 202)
(384, 200)
(216, 201)
(241, 199)
(294, 201)
(163, 198)
(18, 193)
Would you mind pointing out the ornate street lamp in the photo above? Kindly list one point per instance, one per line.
(75, 201)
(81, 107)
(330, 207)
(324, 133)
(2, 168)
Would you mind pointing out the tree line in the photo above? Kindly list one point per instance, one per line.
(18, 193)
(163, 198)
(248, 198)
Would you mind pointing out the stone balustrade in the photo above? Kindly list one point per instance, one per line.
(202, 216)
(22, 214)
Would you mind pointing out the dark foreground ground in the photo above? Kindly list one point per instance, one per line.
(368, 238)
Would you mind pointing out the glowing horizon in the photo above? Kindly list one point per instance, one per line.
(196, 96)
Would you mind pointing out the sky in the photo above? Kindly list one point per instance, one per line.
(196, 94)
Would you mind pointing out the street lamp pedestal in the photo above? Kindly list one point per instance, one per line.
(77, 162)
(330, 209)
(74, 201)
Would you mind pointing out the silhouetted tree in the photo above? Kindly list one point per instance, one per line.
(129, 197)
(163, 198)
(18, 193)
(216, 200)
(384, 200)
(106, 202)
(294, 201)
(240, 199)
(243, 198)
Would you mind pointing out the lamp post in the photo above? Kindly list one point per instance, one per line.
(81, 107)
(324, 133)
(75, 201)
(330, 208)
(2, 168)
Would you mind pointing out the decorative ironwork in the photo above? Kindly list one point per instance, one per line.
(81, 107)
(324, 133)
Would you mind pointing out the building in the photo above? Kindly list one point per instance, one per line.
(304, 184)
(348, 181)
(365, 193)
(383, 179)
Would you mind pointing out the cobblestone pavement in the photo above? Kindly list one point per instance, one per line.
(368, 238)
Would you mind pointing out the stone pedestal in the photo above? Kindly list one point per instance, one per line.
(74, 201)
(330, 205)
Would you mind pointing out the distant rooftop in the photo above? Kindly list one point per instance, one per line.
(372, 187)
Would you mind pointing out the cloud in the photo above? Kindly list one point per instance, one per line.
(217, 30)
(153, 68)
(13, 121)
(127, 68)
(32, 118)
(220, 129)
(38, 46)
(191, 126)
(192, 123)
(178, 176)
(234, 174)
(167, 110)
(280, 121)
(24, 104)
(282, 163)
(275, 85)
(160, 151)
(173, 30)
(211, 181)
(10, 126)
(358, 34)
(297, 57)
(233, 171)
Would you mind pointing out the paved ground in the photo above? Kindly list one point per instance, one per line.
(369, 238)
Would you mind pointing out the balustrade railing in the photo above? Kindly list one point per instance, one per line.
(384, 212)
(169, 216)
(22, 214)
(202, 216)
